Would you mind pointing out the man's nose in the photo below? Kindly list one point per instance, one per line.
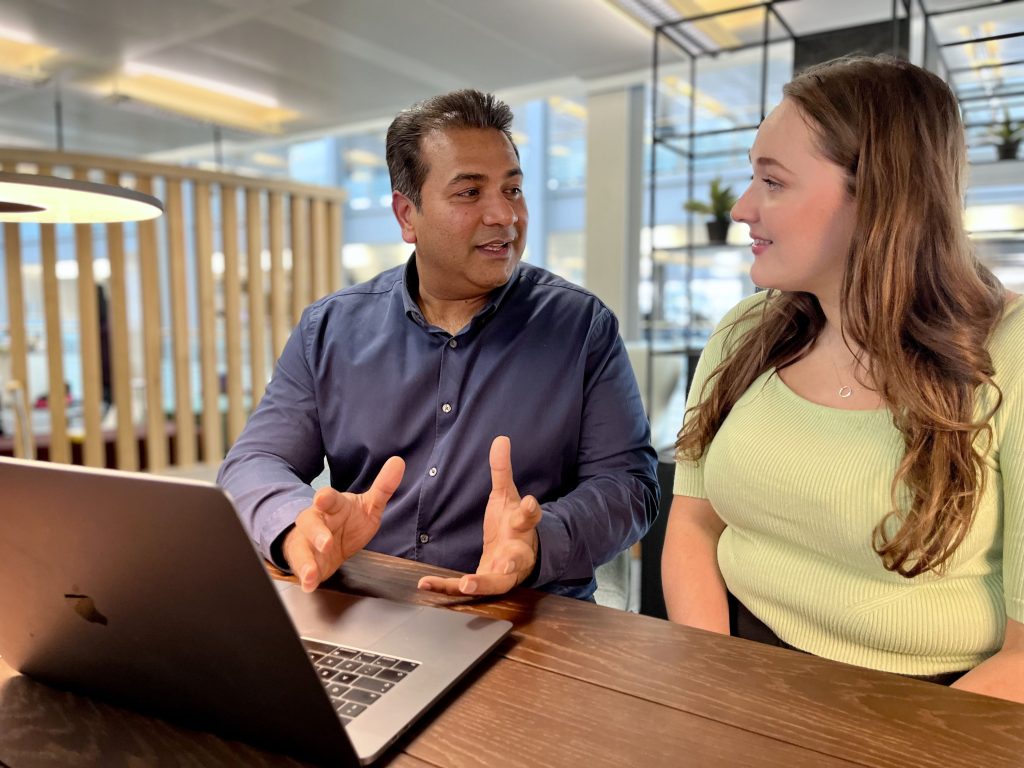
(500, 212)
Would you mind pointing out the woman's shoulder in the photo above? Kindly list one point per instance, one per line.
(1006, 346)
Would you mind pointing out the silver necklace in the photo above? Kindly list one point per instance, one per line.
(845, 390)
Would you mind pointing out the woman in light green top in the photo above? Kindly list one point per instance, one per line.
(850, 476)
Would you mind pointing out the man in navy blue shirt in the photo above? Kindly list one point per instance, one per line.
(413, 383)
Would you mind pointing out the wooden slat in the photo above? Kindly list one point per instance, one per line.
(19, 348)
(60, 446)
(89, 340)
(152, 334)
(301, 278)
(213, 440)
(334, 242)
(232, 310)
(279, 293)
(257, 300)
(184, 416)
(318, 247)
(10, 155)
(120, 354)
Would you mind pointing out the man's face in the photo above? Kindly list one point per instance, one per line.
(470, 229)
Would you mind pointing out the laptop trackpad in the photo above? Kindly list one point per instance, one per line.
(343, 619)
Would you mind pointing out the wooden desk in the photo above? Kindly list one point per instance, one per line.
(578, 684)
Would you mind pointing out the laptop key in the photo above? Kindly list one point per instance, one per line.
(369, 684)
(326, 673)
(385, 661)
(391, 675)
(366, 658)
(406, 666)
(351, 709)
(344, 653)
(315, 645)
(345, 678)
(335, 690)
(360, 696)
(329, 661)
(369, 670)
(314, 656)
(349, 666)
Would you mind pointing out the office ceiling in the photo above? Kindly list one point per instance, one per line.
(332, 61)
(339, 62)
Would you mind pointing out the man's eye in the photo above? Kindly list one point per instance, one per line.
(514, 191)
(469, 193)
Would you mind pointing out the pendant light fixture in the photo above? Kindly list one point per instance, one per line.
(32, 199)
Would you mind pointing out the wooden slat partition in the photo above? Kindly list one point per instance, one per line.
(302, 292)
(334, 242)
(318, 245)
(232, 310)
(257, 300)
(19, 348)
(176, 303)
(120, 354)
(185, 425)
(152, 336)
(213, 441)
(60, 445)
(279, 292)
(89, 342)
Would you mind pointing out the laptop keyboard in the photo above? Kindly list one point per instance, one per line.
(355, 678)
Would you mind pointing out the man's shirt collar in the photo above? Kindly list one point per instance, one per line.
(411, 284)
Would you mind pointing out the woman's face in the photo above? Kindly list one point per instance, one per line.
(800, 215)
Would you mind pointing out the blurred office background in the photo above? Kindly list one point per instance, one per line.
(625, 110)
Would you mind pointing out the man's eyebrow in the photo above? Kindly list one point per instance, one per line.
(459, 178)
(762, 162)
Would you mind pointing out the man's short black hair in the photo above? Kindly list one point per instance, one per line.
(467, 108)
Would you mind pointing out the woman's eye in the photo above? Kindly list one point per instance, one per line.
(772, 184)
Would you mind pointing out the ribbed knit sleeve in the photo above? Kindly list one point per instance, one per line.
(689, 477)
(1007, 351)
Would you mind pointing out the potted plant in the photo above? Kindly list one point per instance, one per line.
(718, 207)
(1007, 135)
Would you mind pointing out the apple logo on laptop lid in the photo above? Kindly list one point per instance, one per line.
(84, 606)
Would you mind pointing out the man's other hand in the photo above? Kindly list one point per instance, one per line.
(510, 535)
(337, 525)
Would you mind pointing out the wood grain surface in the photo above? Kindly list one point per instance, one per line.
(578, 684)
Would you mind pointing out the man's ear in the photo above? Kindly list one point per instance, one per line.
(404, 211)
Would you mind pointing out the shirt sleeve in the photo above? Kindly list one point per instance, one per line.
(616, 495)
(689, 476)
(1011, 467)
(268, 470)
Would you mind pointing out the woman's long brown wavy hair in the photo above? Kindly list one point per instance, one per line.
(914, 298)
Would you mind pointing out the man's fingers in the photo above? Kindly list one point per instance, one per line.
(384, 485)
(470, 584)
(527, 516)
(311, 522)
(501, 467)
(439, 584)
(302, 560)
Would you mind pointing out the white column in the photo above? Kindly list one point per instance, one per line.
(615, 145)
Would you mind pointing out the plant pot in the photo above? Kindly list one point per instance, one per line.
(718, 231)
(1008, 150)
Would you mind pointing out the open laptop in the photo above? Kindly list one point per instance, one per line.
(147, 591)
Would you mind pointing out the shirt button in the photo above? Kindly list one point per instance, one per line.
(424, 538)
(453, 343)
(447, 408)
(432, 472)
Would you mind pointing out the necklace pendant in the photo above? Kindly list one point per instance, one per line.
(845, 391)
